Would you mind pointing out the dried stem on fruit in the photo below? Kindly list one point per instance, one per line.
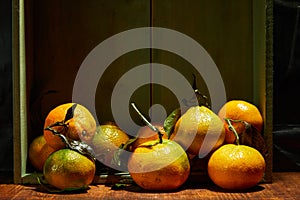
(153, 128)
(233, 129)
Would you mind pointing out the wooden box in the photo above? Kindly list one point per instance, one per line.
(53, 39)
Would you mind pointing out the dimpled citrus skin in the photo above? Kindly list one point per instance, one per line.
(240, 110)
(38, 152)
(107, 141)
(82, 126)
(236, 167)
(194, 125)
(155, 166)
(65, 169)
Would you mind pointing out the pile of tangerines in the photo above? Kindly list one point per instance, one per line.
(161, 155)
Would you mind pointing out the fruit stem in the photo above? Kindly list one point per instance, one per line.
(199, 94)
(153, 128)
(78, 146)
(233, 130)
(57, 124)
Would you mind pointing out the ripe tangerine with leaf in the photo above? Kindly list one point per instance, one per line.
(72, 120)
(108, 139)
(160, 164)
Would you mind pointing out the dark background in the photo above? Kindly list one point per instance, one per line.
(6, 116)
(286, 87)
(286, 43)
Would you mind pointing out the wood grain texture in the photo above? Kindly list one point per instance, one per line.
(285, 186)
(64, 33)
(223, 28)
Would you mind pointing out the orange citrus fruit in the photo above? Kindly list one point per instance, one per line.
(38, 152)
(199, 128)
(80, 126)
(240, 110)
(236, 167)
(159, 166)
(107, 140)
(68, 169)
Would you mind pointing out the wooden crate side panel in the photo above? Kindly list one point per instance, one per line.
(223, 29)
(19, 92)
(263, 70)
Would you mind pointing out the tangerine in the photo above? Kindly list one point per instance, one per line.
(196, 125)
(159, 166)
(80, 124)
(236, 167)
(107, 140)
(240, 110)
(39, 151)
(68, 169)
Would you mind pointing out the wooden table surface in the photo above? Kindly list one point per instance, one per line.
(284, 186)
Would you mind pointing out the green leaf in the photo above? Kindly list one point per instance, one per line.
(120, 152)
(119, 186)
(128, 144)
(171, 120)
